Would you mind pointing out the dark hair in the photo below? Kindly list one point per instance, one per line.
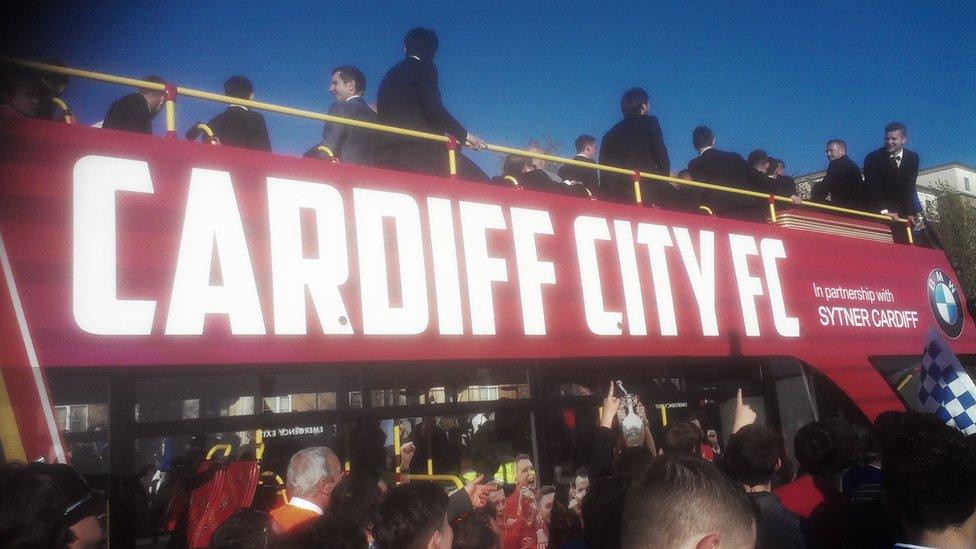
(238, 86)
(515, 167)
(837, 142)
(930, 472)
(473, 530)
(601, 509)
(55, 79)
(355, 497)
(680, 495)
(246, 529)
(773, 163)
(581, 472)
(31, 510)
(326, 532)
(815, 448)
(421, 42)
(632, 101)
(349, 72)
(751, 455)
(896, 126)
(758, 156)
(584, 141)
(681, 437)
(702, 137)
(408, 515)
(630, 464)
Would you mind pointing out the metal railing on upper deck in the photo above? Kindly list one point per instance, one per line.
(171, 92)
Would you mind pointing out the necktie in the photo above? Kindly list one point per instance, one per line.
(897, 159)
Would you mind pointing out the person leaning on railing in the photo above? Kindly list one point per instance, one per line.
(135, 112)
(349, 144)
(409, 97)
(720, 168)
(237, 126)
(585, 152)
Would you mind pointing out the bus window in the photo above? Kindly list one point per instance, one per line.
(81, 415)
(195, 397)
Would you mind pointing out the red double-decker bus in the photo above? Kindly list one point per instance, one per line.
(161, 296)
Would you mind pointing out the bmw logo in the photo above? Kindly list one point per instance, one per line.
(945, 303)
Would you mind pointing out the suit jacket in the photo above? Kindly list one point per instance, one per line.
(352, 145)
(727, 169)
(589, 178)
(539, 180)
(239, 127)
(129, 113)
(635, 143)
(844, 185)
(893, 185)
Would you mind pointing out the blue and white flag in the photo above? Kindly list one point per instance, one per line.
(945, 388)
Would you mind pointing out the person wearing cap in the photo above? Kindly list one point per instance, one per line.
(83, 507)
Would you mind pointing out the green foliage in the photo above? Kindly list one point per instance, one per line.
(956, 228)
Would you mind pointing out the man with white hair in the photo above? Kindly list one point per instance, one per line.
(312, 474)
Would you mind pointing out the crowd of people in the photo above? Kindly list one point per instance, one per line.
(409, 97)
(909, 482)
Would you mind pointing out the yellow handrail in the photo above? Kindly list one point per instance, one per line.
(458, 483)
(189, 92)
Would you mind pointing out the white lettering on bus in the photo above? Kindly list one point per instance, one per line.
(588, 230)
(633, 298)
(292, 272)
(750, 286)
(656, 238)
(701, 274)
(213, 222)
(532, 273)
(482, 270)
(446, 280)
(772, 249)
(95, 302)
(379, 316)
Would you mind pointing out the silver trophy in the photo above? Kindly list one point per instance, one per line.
(631, 425)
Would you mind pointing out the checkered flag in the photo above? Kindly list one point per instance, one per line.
(945, 389)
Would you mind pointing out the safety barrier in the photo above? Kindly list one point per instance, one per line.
(171, 92)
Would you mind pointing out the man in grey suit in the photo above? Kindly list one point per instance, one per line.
(350, 144)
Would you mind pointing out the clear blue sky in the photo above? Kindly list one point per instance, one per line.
(783, 78)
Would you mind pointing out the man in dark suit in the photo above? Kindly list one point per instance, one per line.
(585, 151)
(533, 178)
(409, 97)
(635, 143)
(890, 173)
(720, 168)
(135, 112)
(350, 144)
(759, 182)
(783, 185)
(237, 126)
(842, 185)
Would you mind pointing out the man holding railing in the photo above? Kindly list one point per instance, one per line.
(135, 112)
(409, 97)
(350, 144)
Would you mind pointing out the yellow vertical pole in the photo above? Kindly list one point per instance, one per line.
(664, 415)
(169, 95)
(908, 230)
(772, 209)
(396, 452)
(637, 190)
(452, 146)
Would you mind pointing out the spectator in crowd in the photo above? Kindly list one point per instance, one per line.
(245, 529)
(31, 510)
(585, 152)
(577, 491)
(752, 457)
(545, 501)
(477, 530)
(681, 438)
(350, 144)
(635, 143)
(413, 516)
(890, 174)
(237, 126)
(629, 465)
(872, 524)
(783, 185)
(18, 93)
(842, 185)
(312, 476)
(51, 86)
(565, 527)
(720, 168)
(686, 502)
(524, 481)
(930, 481)
(409, 97)
(83, 507)
(601, 511)
(136, 111)
(325, 532)
(355, 498)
